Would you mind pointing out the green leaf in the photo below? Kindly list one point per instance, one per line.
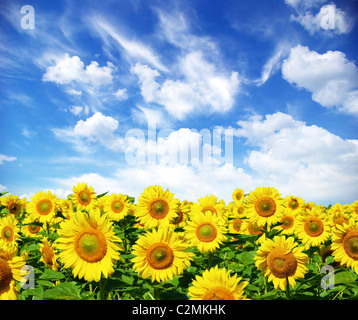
(63, 291)
(127, 279)
(345, 277)
(52, 275)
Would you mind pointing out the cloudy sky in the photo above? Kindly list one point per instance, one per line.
(201, 97)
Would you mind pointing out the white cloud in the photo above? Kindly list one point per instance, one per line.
(203, 87)
(330, 77)
(100, 128)
(77, 110)
(3, 188)
(97, 129)
(329, 19)
(6, 158)
(284, 153)
(151, 117)
(71, 69)
(133, 49)
(274, 63)
(305, 4)
(187, 183)
(121, 94)
(304, 160)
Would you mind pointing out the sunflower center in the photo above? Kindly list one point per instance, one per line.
(350, 244)
(91, 245)
(14, 208)
(5, 274)
(44, 207)
(8, 234)
(240, 210)
(160, 256)
(218, 293)
(293, 204)
(265, 207)
(287, 222)
(159, 209)
(117, 206)
(33, 228)
(84, 198)
(282, 265)
(206, 232)
(236, 224)
(314, 227)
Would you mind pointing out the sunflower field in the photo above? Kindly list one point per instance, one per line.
(260, 246)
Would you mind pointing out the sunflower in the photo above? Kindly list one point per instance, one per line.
(182, 214)
(312, 227)
(10, 270)
(294, 203)
(43, 206)
(250, 228)
(9, 232)
(66, 208)
(116, 206)
(238, 209)
(30, 227)
(156, 208)
(235, 225)
(205, 231)
(48, 254)
(339, 218)
(238, 195)
(88, 245)
(210, 204)
(217, 284)
(13, 204)
(345, 244)
(281, 260)
(264, 206)
(160, 255)
(84, 197)
(287, 221)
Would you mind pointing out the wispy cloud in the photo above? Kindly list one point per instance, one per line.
(133, 49)
(6, 158)
(274, 63)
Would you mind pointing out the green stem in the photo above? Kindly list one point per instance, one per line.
(102, 288)
(288, 293)
(210, 260)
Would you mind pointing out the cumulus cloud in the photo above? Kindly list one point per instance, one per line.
(97, 129)
(71, 69)
(306, 160)
(330, 77)
(186, 182)
(296, 158)
(201, 87)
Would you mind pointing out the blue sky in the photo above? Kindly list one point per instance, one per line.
(277, 80)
